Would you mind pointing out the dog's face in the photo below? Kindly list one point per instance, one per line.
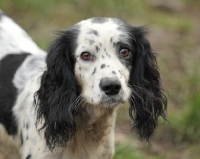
(103, 61)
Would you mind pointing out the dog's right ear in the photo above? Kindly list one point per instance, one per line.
(55, 99)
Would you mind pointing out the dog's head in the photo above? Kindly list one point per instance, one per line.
(103, 62)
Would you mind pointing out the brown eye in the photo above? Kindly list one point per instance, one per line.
(85, 56)
(124, 52)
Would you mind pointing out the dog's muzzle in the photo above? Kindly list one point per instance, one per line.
(110, 86)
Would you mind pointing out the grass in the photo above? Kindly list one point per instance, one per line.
(178, 62)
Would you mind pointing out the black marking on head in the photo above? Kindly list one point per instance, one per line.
(28, 157)
(111, 39)
(91, 42)
(103, 57)
(8, 67)
(97, 48)
(113, 72)
(122, 37)
(99, 20)
(120, 72)
(92, 31)
(21, 136)
(94, 71)
(27, 126)
(96, 33)
(106, 53)
(103, 66)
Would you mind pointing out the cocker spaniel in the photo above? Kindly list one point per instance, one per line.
(63, 105)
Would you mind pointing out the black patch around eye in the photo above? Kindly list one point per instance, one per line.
(127, 60)
(94, 71)
(97, 48)
(103, 66)
(113, 72)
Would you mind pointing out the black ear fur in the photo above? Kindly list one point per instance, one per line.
(54, 101)
(147, 101)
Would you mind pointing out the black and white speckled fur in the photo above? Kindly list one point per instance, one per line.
(58, 106)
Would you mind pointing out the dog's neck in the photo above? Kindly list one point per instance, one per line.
(94, 133)
(95, 121)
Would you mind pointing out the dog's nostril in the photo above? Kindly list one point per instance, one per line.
(106, 88)
(111, 86)
(117, 87)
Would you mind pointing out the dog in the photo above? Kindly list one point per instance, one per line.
(62, 105)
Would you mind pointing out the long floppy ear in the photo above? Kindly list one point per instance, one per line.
(147, 101)
(55, 99)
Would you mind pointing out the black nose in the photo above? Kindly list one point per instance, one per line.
(111, 86)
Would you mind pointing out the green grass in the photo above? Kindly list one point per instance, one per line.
(126, 152)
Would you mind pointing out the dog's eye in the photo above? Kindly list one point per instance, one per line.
(86, 56)
(124, 52)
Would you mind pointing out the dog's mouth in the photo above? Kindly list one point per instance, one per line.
(112, 101)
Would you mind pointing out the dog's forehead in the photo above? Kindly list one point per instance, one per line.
(101, 28)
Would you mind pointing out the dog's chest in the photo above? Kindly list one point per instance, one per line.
(94, 140)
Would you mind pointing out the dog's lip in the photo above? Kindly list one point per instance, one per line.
(112, 100)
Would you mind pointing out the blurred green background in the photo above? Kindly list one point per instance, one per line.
(174, 35)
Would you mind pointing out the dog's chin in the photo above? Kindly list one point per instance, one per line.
(111, 101)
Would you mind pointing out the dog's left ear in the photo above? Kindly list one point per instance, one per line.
(147, 101)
